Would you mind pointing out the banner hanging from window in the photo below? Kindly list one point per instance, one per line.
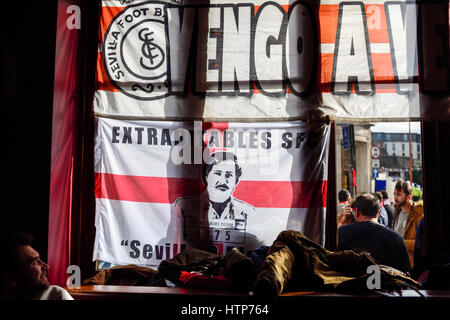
(271, 59)
(384, 60)
(162, 186)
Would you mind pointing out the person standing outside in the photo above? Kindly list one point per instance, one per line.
(343, 206)
(388, 207)
(383, 218)
(407, 215)
(361, 231)
(344, 199)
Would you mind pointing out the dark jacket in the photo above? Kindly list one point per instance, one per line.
(127, 275)
(409, 235)
(390, 212)
(384, 244)
(235, 266)
(295, 263)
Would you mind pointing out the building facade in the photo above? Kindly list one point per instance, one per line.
(397, 144)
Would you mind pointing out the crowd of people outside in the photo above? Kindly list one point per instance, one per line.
(392, 232)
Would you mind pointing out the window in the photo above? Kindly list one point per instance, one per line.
(393, 147)
(418, 147)
(403, 147)
(388, 137)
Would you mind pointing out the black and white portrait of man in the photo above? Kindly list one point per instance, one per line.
(216, 207)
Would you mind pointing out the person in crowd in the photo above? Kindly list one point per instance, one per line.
(407, 215)
(343, 206)
(361, 231)
(416, 194)
(344, 199)
(389, 207)
(383, 218)
(24, 274)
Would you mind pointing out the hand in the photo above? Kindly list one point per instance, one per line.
(348, 217)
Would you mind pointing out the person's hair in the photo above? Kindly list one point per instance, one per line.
(384, 194)
(368, 205)
(216, 158)
(12, 264)
(378, 195)
(404, 186)
(343, 195)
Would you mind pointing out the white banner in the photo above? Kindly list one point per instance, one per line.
(162, 186)
(271, 60)
(232, 60)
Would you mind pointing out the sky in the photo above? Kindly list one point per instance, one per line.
(391, 127)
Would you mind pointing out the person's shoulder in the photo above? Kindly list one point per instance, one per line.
(242, 206)
(391, 234)
(182, 201)
(417, 209)
(362, 227)
(54, 292)
(347, 228)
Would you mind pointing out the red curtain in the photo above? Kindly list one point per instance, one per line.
(64, 144)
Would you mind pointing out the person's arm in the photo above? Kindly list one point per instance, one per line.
(409, 245)
(347, 216)
(403, 263)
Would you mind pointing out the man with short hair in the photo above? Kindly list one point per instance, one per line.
(343, 206)
(365, 233)
(25, 274)
(383, 218)
(344, 199)
(407, 215)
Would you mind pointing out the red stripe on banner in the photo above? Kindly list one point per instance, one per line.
(144, 189)
(375, 17)
(328, 19)
(221, 126)
(376, 23)
(101, 78)
(283, 194)
(107, 15)
(264, 194)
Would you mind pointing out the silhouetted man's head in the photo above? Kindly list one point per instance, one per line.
(367, 204)
(344, 195)
(384, 194)
(23, 269)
